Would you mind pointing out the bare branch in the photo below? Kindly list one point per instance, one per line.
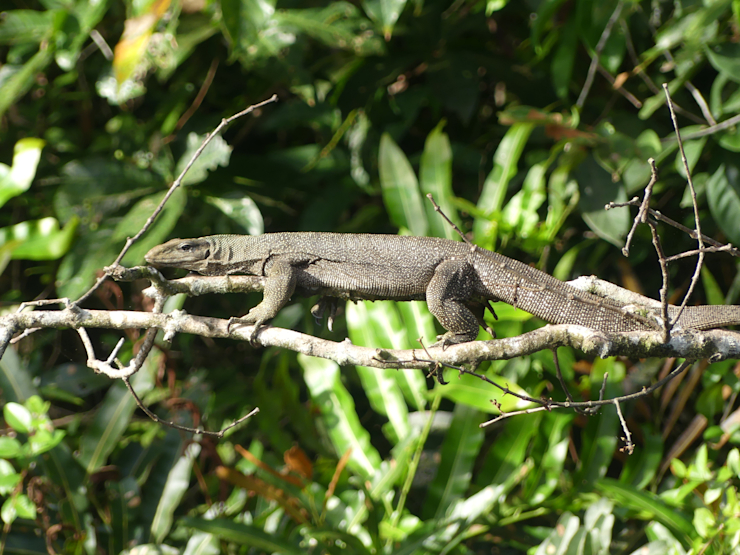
(697, 221)
(219, 434)
(175, 184)
(597, 53)
(713, 344)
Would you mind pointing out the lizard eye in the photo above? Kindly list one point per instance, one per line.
(185, 247)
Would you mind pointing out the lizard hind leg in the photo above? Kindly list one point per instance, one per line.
(447, 296)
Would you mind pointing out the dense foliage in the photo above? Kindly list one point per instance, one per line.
(491, 106)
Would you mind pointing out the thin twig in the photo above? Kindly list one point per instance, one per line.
(171, 424)
(730, 122)
(175, 184)
(197, 101)
(697, 222)
(448, 220)
(629, 447)
(667, 324)
(597, 53)
(720, 247)
(642, 212)
(619, 88)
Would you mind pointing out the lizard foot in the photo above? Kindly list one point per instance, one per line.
(452, 338)
(325, 304)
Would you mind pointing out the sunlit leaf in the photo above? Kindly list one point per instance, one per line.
(378, 325)
(384, 12)
(435, 177)
(458, 454)
(39, 239)
(178, 481)
(132, 45)
(505, 166)
(17, 417)
(16, 179)
(112, 416)
(244, 534)
(243, 211)
(723, 194)
(400, 188)
(217, 153)
(16, 81)
(339, 418)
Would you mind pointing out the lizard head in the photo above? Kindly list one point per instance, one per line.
(191, 254)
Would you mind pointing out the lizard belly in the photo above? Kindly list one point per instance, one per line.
(371, 281)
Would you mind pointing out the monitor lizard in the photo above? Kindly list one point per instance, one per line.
(456, 280)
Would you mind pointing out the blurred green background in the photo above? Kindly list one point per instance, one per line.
(483, 104)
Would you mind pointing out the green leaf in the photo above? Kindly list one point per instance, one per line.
(704, 522)
(600, 436)
(459, 451)
(419, 323)
(384, 12)
(564, 58)
(217, 153)
(18, 417)
(177, 485)
(38, 239)
(435, 177)
(243, 211)
(15, 378)
(547, 474)
(400, 188)
(17, 179)
(649, 504)
(17, 506)
(723, 195)
(16, 81)
(506, 457)
(495, 5)
(10, 447)
(44, 440)
(725, 58)
(164, 456)
(139, 213)
(26, 26)
(9, 478)
(252, 29)
(113, 415)
(378, 325)
(546, 12)
(710, 401)
(472, 391)
(521, 212)
(337, 25)
(338, 416)
(597, 189)
(243, 534)
(642, 466)
(202, 543)
(693, 150)
(561, 539)
(505, 162)
(711, 288)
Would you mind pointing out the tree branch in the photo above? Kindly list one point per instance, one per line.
(713, 344)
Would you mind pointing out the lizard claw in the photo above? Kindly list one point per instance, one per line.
(246, 321)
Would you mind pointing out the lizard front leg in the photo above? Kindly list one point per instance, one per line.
(282, 274)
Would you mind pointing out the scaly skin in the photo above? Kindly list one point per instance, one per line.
(456, 280)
